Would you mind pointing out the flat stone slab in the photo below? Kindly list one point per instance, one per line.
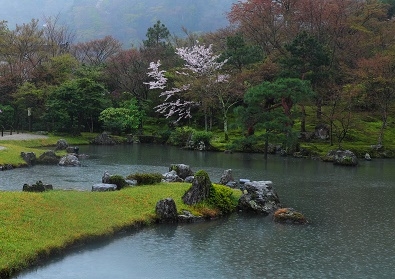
(103, 187)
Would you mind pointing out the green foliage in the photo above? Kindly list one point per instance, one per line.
(6, 116)
(146, 178)
(123, 119)
(239, 53)
(118, 180)
(245, 144)
(201, 136)
(180, 136)
(222, 198)
(75, 103)
(158, 35)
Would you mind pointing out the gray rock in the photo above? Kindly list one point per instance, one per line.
(131, 182)
(259, 197)
(69, 161)
(104, 139)
(200, 189)
(189, 179)
(172, 176)
(29, 157)
(226, 177)
(38, 187)
(232, 184)
(345, 158)
(182, 170)
(188, 217)
(106, 177)
(367, 157)
(61, 144)
(103, 187)
(322, 131)
(341, 157)
(48, 158)
(166, 210)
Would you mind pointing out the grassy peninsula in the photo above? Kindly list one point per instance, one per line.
(34, 226)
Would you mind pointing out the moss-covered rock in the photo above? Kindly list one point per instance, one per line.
(289, 216)
(200, 189)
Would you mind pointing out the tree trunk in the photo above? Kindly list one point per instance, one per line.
(205, 121)
(226, 127)
(303, 120)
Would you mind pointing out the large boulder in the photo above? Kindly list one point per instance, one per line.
(341, 157)
(69, 161)
(226, 177)
(61, 144)
(182, 170)
(289, 216)
(103, 139)
(259, 197)
(29, 157)
(345, 158)
(200, 189)
(166, 210)
(48, 158)
(38, 187)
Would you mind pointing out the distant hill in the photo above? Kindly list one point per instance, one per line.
(126, 20)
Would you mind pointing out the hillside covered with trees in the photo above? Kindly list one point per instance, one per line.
(279, 70)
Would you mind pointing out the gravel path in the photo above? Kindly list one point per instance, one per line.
(20, 136)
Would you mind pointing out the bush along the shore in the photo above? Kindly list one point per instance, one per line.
(146, 178)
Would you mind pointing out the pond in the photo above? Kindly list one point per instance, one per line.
(350, 209)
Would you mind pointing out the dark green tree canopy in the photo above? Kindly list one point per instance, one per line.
(157, 35)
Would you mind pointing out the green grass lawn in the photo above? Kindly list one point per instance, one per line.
(35, 225)
(13, 148)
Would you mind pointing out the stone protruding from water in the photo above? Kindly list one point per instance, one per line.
(166, 210)
(289, 216)
(200, 189)
(227, 179)
(259, 197)
(341, 157)
(182, 170)
(69, 160)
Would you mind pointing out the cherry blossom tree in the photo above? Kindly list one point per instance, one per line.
(200, 76)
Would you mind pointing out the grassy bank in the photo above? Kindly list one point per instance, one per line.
(12, 153)
(34, 226)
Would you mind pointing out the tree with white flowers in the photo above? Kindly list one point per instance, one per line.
(201, 79)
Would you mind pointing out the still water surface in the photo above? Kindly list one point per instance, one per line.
(351, 232)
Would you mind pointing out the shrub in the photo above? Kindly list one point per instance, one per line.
(180, 136)
(222, 198)
(201, 136)
(146, 178)
(118, 180)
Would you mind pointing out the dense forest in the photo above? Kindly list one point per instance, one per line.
(125, 20)
(277, 71)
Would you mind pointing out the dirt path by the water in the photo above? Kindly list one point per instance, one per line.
(20, 136)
